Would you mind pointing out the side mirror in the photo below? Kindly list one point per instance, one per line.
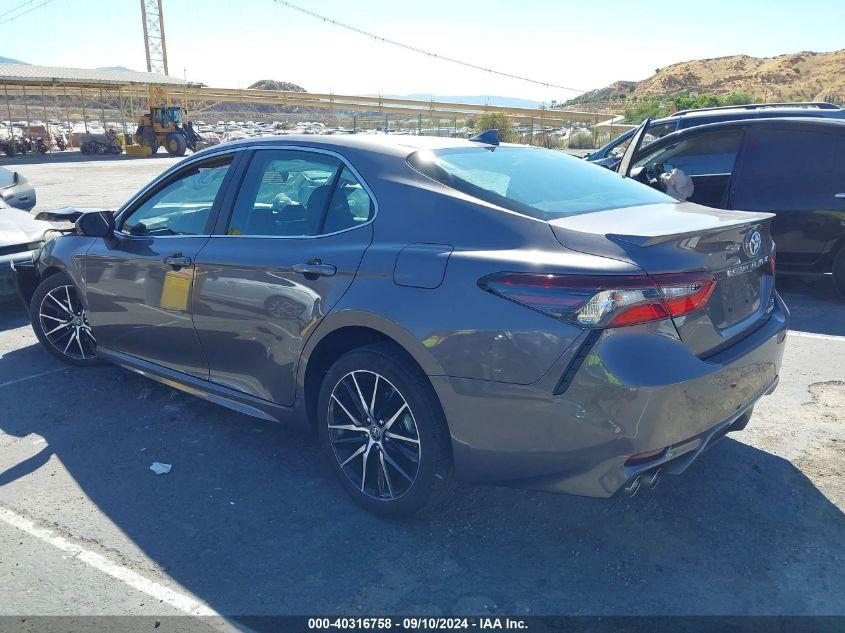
(16, 178)
(96, 224)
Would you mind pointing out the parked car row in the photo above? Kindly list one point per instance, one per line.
(20, 137)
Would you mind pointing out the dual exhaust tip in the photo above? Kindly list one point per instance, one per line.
(650, 479)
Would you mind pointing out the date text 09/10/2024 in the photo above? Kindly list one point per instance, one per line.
(420, 623)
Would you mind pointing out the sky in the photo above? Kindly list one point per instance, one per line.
(578, 44)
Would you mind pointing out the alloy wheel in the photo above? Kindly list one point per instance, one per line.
(374, 435)
(65, 324)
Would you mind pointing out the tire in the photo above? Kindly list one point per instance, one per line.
(839, 271)
(385, 475)
(176, 144)
(73, 344)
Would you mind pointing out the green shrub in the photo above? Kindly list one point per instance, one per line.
(581, 139)
(657, 107)
(496, 121)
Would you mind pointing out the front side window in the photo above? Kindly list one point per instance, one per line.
(653, 133)
(182, 207)
(288, 193)
(541, 183)
(698, 155)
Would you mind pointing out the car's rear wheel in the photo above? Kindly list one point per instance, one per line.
(384, 431)
(61, 323)
(839, 271)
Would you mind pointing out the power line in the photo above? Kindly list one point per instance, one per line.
(422, 51)
(44, 3)
(7, 12)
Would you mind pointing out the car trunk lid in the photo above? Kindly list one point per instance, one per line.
(733, 246)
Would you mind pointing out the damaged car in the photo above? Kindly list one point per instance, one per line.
(431, 309)
(15, 190)
(20, 236)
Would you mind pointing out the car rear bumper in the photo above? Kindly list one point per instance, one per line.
(635, 390)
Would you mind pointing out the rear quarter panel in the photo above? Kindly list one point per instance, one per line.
(456, 328)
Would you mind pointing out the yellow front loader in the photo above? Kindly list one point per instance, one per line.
(167, 127)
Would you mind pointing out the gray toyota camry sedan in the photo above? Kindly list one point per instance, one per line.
(431, 309)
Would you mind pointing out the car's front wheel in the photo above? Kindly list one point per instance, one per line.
(61, 323)
(384, 431)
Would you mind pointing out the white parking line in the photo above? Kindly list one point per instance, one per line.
(180, 601)
(824, 337)
(43, 373)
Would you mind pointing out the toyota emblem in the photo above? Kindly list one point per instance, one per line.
(753, 243)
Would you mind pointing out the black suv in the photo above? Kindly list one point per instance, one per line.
(609, 155)
(793, 167)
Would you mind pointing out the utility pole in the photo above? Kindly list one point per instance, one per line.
(152, 18)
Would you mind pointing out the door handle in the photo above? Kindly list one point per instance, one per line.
(315, 268)
(839, 195)
(177, 261)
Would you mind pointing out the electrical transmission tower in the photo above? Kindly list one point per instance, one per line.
(153, 19)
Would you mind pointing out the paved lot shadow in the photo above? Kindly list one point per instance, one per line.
(12, 314)
(251, 520)
(68, 156)
(814, 302)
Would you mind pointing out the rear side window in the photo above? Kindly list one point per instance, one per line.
(290, 193)
(698, 155)
(787, 170)
(350, 205)
(544, 184)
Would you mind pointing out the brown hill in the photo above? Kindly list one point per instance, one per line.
(272, 84)
(797, 76)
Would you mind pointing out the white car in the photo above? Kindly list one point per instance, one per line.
(20, 236)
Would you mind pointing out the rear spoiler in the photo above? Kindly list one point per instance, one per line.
(65, 214)
(660, 238)
(657, 223)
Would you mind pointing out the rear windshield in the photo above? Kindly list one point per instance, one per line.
(544, 184)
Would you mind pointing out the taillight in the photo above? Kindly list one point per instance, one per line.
(607, 300)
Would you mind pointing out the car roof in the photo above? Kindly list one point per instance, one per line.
(390, 144)
(774, 111)
(833, 125)
(806, 123)
(793, 106)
